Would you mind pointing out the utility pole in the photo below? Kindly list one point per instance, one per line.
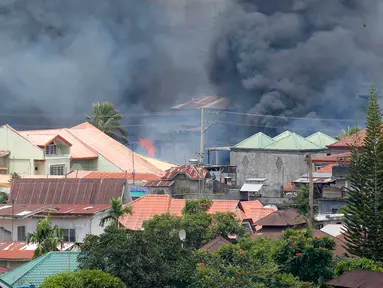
(311, 189)
(202, 135)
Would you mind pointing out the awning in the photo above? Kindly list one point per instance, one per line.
(4, 153)
(248, 187)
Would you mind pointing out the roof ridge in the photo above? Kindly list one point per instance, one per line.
(81, 141)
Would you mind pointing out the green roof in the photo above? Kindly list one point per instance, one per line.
(257, 141)
(291, 141)
(321, 139)
(37, 270)
(282, 135)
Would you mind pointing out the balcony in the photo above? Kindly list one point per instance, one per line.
(57, 156)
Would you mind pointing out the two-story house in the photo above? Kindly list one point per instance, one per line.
(60, 151)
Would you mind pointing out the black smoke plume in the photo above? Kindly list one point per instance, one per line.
(298, 58)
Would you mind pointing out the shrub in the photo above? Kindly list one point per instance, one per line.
(83, 278)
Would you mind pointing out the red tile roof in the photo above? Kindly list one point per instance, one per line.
(17, 250)
(65, 191)
(193, 172)
(326, 169)
(288, 188)
(21, 210)
(147, 206)
(88, 143)
(254, 210)
(333, 158)
(159, 183)
(356, 139)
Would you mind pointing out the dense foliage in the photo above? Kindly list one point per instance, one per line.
(115, 212)
(83, 278)
(364, 211)
(361, 263)
(47, 237)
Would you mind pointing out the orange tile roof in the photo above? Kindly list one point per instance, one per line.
(89, 143)
(356, 139)
(326, 169)
(122, 175)
(44, 140)
(147, 206)
(288, 188)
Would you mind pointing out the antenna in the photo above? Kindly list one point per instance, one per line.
(182, 236)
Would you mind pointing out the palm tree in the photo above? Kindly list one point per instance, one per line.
(46, 237)
(108, 119)
(116, 211)
(350, 131)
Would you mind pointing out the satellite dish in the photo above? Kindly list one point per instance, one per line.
(182, 235)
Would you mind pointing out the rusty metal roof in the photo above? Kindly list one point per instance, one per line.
(215, 244)
(193, 172)
(65, 191)
(282, 218)
(358, 279)
(159, 183)
(315, 180)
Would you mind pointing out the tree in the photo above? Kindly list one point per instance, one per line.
(305, 256)
(3, 198)
(301, 203)
(197, 206)
(353, 264)
(116, 211)
(46, 237)
(364, 211)
(108, 119)
(83, 278)
(350, 131)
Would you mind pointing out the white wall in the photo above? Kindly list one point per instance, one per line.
(84, 225)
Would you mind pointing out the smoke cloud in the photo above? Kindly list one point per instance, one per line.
(59, 57)
(298, 58)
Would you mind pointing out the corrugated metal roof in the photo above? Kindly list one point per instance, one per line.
(282, 218)
(215, 244)
(37, 270)
(18, 250)
(159, 183)
(247, 187)
(257, 141)
(53, 209)
(193, 172)
(315, 180)
(65, 191)
(358, 279)
(320, 139)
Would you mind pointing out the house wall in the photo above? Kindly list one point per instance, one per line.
(84, 225)
(22, 151)
(40, 168)
(278, 167)
(87, 165)
(57, 161)
(183, 185)
(330, 206)
(161, 190)
(105, 165)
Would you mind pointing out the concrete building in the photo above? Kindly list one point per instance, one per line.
(60, 151)
(280, 160)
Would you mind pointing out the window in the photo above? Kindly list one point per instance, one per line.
(57, 169)
(20, 233)
(51, 149)
(69, 235)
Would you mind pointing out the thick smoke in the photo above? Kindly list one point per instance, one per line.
(298, 58)
(58, 57)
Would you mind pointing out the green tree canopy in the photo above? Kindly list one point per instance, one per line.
(47, 237)
(83, 278)
(115, 212)
(108, 119)
(364, 211)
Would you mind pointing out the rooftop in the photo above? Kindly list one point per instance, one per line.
(356, 139)
(320, 139)
(286, 141)
(281, 218)
(358, 279)
(65, 191)
(113, 175)
(191, 171)
(147, 206)
(215, 244)
(37, 270)
(335, 158)
(88, 142)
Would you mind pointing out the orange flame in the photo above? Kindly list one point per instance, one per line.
(149, 146)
